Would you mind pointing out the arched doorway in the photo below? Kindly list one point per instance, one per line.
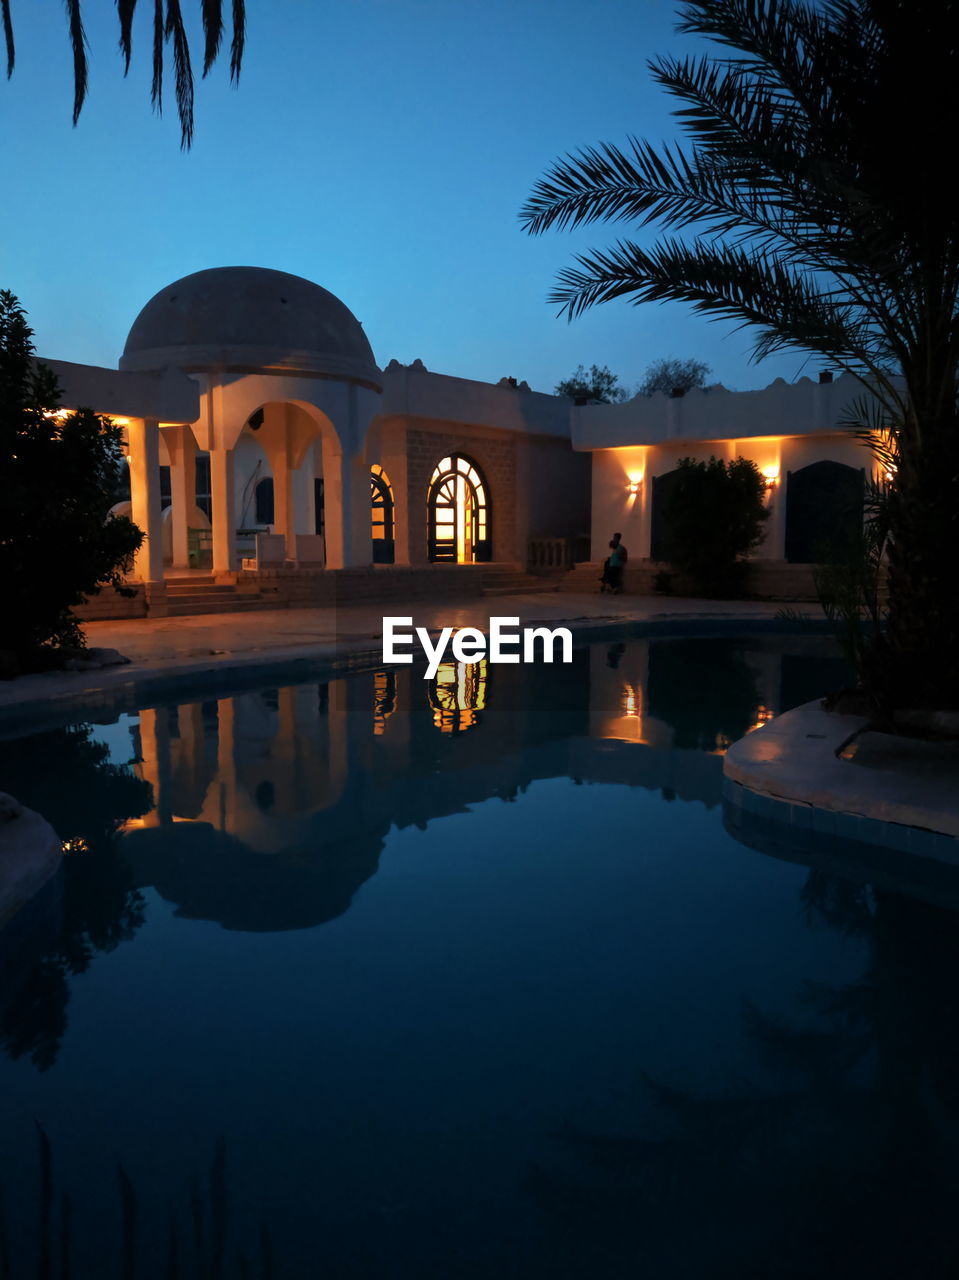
(381, 492)
(824, 511)
(458, 512)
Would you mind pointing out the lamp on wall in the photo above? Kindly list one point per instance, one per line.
(770, 477)
(635, 483)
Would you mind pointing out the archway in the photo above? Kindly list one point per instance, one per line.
(458, 512)
(381, 493)
(824, 511)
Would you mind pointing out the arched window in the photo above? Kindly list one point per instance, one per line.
(458, 512)
(457, 695)
(384, 545)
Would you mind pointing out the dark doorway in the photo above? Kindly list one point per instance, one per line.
(824, 511)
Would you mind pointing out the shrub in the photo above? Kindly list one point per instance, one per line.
(58, 541)
(715, 518)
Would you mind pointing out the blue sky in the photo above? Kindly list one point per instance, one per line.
(380, 147)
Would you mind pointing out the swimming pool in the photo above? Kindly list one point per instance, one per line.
(384, 977)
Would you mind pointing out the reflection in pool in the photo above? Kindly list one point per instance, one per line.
(388, 977)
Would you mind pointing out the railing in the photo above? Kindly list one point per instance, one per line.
(545, 554)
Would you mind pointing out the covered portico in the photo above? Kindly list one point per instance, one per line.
(206, 358)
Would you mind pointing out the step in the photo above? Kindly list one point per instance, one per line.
(525, 589)
(253, 605)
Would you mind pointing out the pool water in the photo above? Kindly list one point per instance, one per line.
(387, 977)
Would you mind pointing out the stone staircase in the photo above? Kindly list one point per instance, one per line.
(187, 597)
(506, 579)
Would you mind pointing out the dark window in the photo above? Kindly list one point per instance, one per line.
(318, 496)
(165, 490)
(264, 501)
(203, 500)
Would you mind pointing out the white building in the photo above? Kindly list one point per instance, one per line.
(273, 462)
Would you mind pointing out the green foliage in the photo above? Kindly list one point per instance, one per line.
(600, 385)
(671, 375)
(715, 517)
(58, 542)
(782, 213)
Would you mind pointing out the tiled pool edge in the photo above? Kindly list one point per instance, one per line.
(799, 826)
(786, 783)
(234, 673)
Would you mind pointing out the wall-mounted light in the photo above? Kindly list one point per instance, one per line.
(635, 483)
(770, 477)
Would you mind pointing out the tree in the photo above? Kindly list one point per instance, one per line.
(821, 209)
(673, 375)
(168, 28)
(600, 385)
(715, 517)
(58, 541)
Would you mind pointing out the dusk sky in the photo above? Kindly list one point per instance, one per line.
(382, 148)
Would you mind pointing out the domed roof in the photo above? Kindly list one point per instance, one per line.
(250, 318)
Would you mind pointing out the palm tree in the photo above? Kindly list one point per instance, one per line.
(168, 27)
(816, 194)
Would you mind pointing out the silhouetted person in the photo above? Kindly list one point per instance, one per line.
(614, 565)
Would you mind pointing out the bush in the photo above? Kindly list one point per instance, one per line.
(58, 541)
(715, 518)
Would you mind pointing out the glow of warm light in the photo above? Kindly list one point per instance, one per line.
(457, 694)
(763, 716)
(120, 422)
(76, 845)
(771, 476)
(635, 483)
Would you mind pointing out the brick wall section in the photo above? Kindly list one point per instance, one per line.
(110, 605)
(495, 455)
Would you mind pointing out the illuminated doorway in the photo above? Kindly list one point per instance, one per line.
(381, 497)
(459, 516)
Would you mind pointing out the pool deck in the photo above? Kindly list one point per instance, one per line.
(825, 774)
(215, 645)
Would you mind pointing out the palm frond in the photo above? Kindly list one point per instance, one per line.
(239, 39)
(78, 43)
(183, 70)
(721, 282)
(125, 11)
(8, 35)
(156, 91)
(212, 13)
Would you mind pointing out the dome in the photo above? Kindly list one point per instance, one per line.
(250, 318)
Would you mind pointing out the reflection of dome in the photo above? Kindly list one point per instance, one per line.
(251, 318)
(211, 875)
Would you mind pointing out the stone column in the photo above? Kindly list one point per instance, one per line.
(223, 498)
(143, 436)
(181, 445)
(346, 489)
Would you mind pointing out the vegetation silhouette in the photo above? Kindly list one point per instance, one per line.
(838, 1158)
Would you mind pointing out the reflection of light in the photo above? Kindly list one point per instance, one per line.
(633, 701)
(457, 693)
(76, 845)
(763, 716)
(384, 700)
